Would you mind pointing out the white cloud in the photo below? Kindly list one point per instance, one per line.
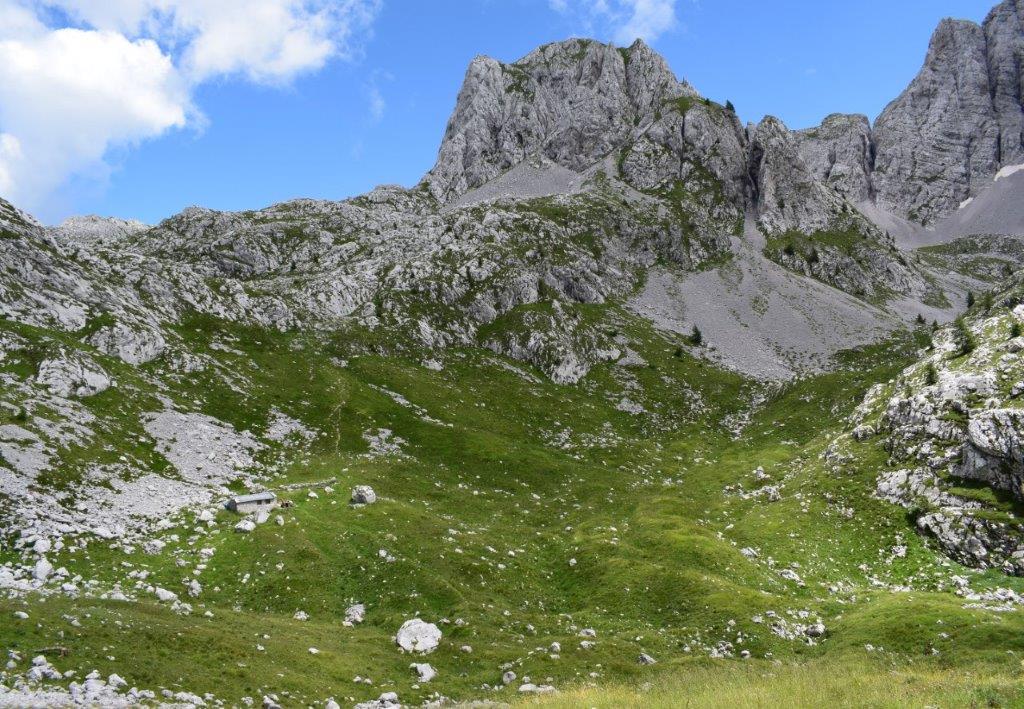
(266, 40)
(375, 96)
(622, 20)
(377, 103)
(127, 70)
(68, 95)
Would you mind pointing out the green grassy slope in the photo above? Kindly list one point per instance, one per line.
(522, 511)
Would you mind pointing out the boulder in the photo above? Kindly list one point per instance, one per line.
(363, 495)
(245, 526)
(355, 614)
(42, 570)
(418, 636)
(72, 376)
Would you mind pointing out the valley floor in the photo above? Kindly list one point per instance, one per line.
(519, 516)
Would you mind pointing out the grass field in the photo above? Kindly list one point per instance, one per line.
(520, 512)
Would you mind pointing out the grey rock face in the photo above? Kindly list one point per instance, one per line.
(72, 376)
(589, 107)
(1004, 35)
(789, 196)
(573, 102)
(958, 122)
(134, 346)
(940, 136)
(995, 450)
(839, 154)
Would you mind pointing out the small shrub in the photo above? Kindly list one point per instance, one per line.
(970, 299)
(964, 339)
(987, 301)
(1014, 329)
(696, 337)
(931, 375)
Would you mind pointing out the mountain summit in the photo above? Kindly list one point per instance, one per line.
(577, 102)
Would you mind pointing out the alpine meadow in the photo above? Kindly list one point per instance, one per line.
(624, 404)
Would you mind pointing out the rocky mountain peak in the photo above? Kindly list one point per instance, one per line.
(571, 102)
(789, 194)
(958, 122)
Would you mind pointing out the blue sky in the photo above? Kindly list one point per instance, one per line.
(365, 101)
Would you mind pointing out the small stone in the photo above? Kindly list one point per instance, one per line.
(424, 671)
(245, 526)
(815, 631)
(363, 495)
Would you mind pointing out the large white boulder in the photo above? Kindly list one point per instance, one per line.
(134, 346)
(42, 570)
(69, 376)
(417, 635)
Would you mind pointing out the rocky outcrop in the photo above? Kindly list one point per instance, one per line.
(92, 229)
(840, 154)
(134, 346)
(994, 453)
(72, 375)
(953, 426)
